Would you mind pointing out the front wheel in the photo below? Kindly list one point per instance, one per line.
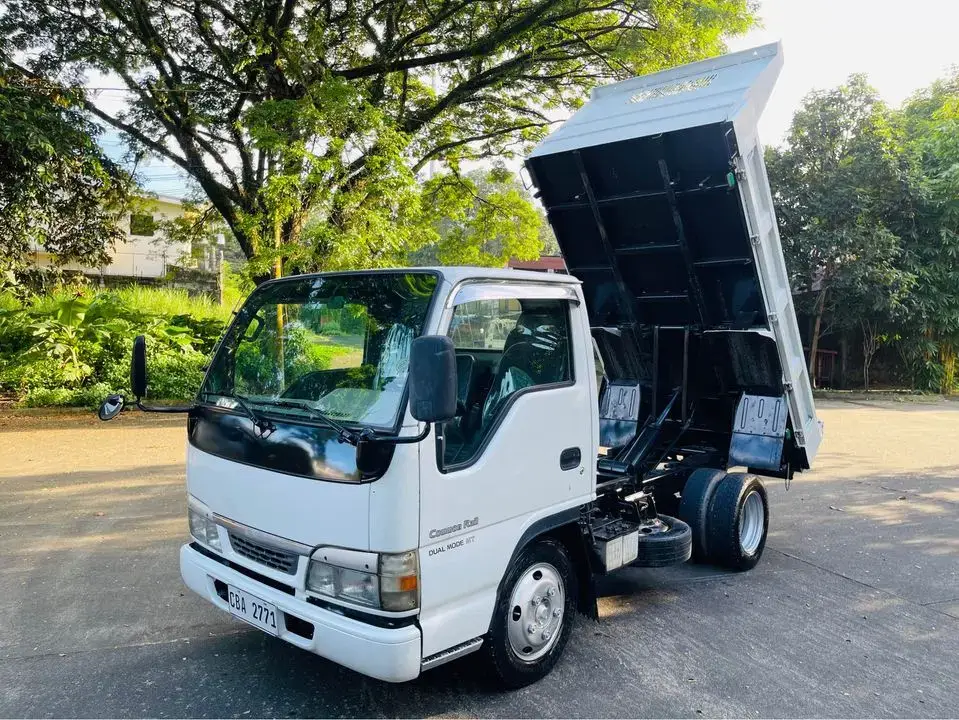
(534, 614)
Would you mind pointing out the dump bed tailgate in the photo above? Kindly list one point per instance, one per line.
(657, 192)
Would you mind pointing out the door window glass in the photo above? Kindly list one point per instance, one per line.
(484, 324)
(503, 347)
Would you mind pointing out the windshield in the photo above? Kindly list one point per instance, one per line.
(339, 344)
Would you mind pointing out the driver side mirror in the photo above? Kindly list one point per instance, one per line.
(138, 367)
(433, 379)
(110, 407)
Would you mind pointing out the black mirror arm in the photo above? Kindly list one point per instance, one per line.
(414, 438)
(164, 408)
(370, 436)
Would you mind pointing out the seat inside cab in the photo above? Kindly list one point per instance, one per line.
(502, 348)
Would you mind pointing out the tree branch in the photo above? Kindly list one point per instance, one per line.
(475, 138)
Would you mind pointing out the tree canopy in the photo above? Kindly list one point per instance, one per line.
(58, 191)
(866, 198)
(483, 218)
(294, 111)
(931, 121)
(839, 190)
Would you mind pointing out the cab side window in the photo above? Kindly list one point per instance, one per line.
(503, 348)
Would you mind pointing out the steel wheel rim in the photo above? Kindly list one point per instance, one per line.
(536, 612)
(752, 520)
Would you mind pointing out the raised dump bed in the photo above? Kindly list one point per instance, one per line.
(657, 192)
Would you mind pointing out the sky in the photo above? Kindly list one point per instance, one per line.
(901, 46)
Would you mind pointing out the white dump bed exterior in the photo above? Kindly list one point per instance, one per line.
(719, 98)
(731, 88)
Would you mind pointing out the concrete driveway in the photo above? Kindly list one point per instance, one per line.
(853, 611)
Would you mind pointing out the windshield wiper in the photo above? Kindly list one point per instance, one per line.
(260, 423)
(345, 435)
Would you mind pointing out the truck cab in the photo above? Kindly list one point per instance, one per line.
(406, 543)
(396, 468)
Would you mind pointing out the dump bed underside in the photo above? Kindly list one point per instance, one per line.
(655, 230)
(673, 236)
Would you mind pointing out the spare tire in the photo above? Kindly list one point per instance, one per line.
(668, 547)
(694, 506)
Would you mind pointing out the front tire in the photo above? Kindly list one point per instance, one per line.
(738, 522)
(534, 614)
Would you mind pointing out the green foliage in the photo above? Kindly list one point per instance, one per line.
(319, 116)
(236, 286)
(931, 337)
(58, 191)
(175, 375)
(70, 349)
(69, 337)
(88, 397)
(839, 192)
(838, 189)
(866, 198)
(169, 302)
(483, 218)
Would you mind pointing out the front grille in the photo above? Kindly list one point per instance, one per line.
(265, 555)
(243, 570)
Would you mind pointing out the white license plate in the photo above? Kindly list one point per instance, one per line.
(248, 607)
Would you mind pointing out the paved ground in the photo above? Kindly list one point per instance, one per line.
(854, 610)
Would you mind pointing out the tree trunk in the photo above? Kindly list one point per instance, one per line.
(869, 347)
(843, 358)
(278, 273)
(814, 340)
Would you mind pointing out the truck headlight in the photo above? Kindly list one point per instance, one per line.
(203, 529)
(395, 585)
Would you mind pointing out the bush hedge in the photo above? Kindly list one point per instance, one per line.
(73, 347)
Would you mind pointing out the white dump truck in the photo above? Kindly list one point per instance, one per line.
(396, 468)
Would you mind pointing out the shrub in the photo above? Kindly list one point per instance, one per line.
(174, 376)
(89, 397)
(72, 348)
(22, 377)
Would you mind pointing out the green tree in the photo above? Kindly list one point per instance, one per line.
(58, 191)
(841, 191)
(483, 218)
(294, 111)
(931, 333)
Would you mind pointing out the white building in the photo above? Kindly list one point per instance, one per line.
(145, 254)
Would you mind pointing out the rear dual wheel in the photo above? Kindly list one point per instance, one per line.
(729, 517)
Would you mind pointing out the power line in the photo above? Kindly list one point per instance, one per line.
(185, 90)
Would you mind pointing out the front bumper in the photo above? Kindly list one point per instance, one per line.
(391, 654)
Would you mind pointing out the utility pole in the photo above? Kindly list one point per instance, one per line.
(220, 270)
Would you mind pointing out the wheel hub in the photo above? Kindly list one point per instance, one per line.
(536, 612)
(752, 520)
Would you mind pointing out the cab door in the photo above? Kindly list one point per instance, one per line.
(522, 447)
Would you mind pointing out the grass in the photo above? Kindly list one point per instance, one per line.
(167, 302)
(156, 302)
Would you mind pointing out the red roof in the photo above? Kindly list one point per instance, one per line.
(544, 263)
